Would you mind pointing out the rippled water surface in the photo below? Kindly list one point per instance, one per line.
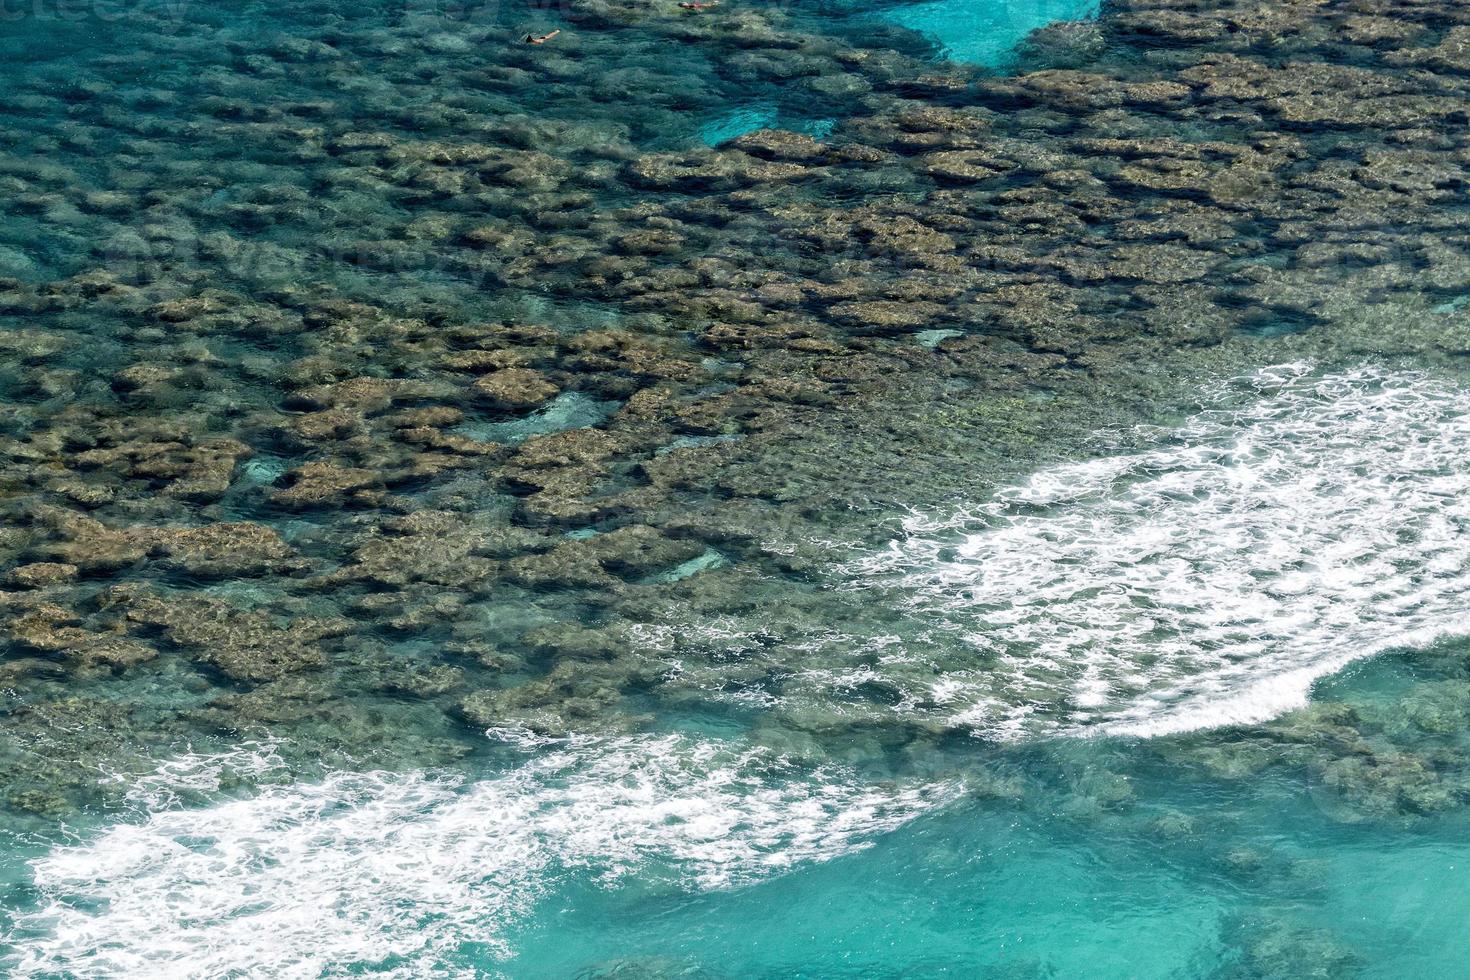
(961, 488)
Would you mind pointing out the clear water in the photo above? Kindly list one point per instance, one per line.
(753, 118)
(985, 33)
(1140, 853)
(816, 591)
(679, 855)
(571, 410)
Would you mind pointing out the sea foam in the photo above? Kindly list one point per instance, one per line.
(1297, 523)
(420, 874)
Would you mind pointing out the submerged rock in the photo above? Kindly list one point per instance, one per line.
(262, 390)
(243, 645)
(324, 484)
(225, 550)
(41, 574)
(513, 389)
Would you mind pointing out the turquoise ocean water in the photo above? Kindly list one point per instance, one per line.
(1185, 693)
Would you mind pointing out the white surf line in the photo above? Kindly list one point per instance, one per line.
(402, 873)
(1211, 579)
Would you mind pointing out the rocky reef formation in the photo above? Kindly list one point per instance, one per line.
(359, 384)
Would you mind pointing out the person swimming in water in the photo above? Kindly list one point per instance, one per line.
(699, 4)
(541, 39)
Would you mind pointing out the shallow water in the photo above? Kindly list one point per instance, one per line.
(760, 491)
(1298, 523)
(985, 33)
(685, 856)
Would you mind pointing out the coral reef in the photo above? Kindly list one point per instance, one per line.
(291, 400)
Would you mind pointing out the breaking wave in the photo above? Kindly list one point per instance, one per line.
(1299, 522)
(420, 874)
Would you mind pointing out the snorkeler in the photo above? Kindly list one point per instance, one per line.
(699, 4)
(533, 39)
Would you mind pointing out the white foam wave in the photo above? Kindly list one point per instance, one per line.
(197, 777)
(412, 873)
(1299, 523)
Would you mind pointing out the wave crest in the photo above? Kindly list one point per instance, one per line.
(1298, 523)
(413, 872)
